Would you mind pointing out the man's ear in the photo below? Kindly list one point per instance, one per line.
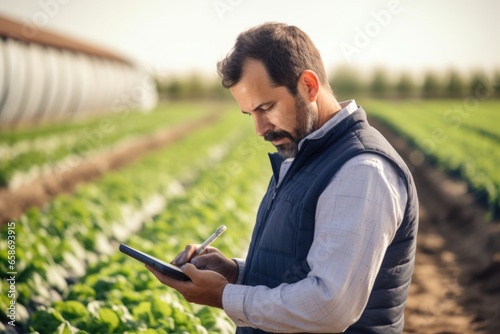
(308, 85)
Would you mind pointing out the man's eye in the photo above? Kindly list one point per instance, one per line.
(267, 108)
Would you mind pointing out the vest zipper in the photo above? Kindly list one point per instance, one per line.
(264, 222)
(273, 197)
(259, 234)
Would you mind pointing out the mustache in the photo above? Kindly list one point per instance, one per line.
(275, 135)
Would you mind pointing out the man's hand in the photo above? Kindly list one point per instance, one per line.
(205, 287)
(210, 259)
(209, 272)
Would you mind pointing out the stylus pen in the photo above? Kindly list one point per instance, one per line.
(210, 239)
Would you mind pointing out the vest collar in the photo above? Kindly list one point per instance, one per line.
(311, 147)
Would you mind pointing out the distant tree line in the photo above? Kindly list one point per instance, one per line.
(348, 82)
(191, 86)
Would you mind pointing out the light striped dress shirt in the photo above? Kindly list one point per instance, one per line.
(356, 219)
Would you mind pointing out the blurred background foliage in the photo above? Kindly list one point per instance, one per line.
(349, 82)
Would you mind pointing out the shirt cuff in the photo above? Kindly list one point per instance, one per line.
(241, 268)
(233, 299)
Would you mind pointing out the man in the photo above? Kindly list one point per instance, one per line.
(334, 243)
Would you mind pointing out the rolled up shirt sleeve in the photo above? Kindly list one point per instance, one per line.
(356, 219)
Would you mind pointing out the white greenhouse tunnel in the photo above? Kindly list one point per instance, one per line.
(43, 80)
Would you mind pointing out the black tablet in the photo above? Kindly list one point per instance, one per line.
(159, 265)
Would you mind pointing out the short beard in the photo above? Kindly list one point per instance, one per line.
(307, 123)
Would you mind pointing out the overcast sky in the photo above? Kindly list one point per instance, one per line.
(178, 36)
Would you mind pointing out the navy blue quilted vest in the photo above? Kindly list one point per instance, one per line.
(284, 230)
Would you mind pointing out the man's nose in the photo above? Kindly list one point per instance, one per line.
(262, 124)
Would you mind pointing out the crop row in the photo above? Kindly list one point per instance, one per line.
(118, 295)
(458, 136)
(57, 242)
(34, 152)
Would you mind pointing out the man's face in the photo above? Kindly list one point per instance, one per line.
(280, 117)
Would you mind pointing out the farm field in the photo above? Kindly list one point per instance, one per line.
(167, 199)
(29, 153)
(461, 137)
(455, 286)
(71, 278)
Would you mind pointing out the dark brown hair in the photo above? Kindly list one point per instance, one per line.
(286, 52)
